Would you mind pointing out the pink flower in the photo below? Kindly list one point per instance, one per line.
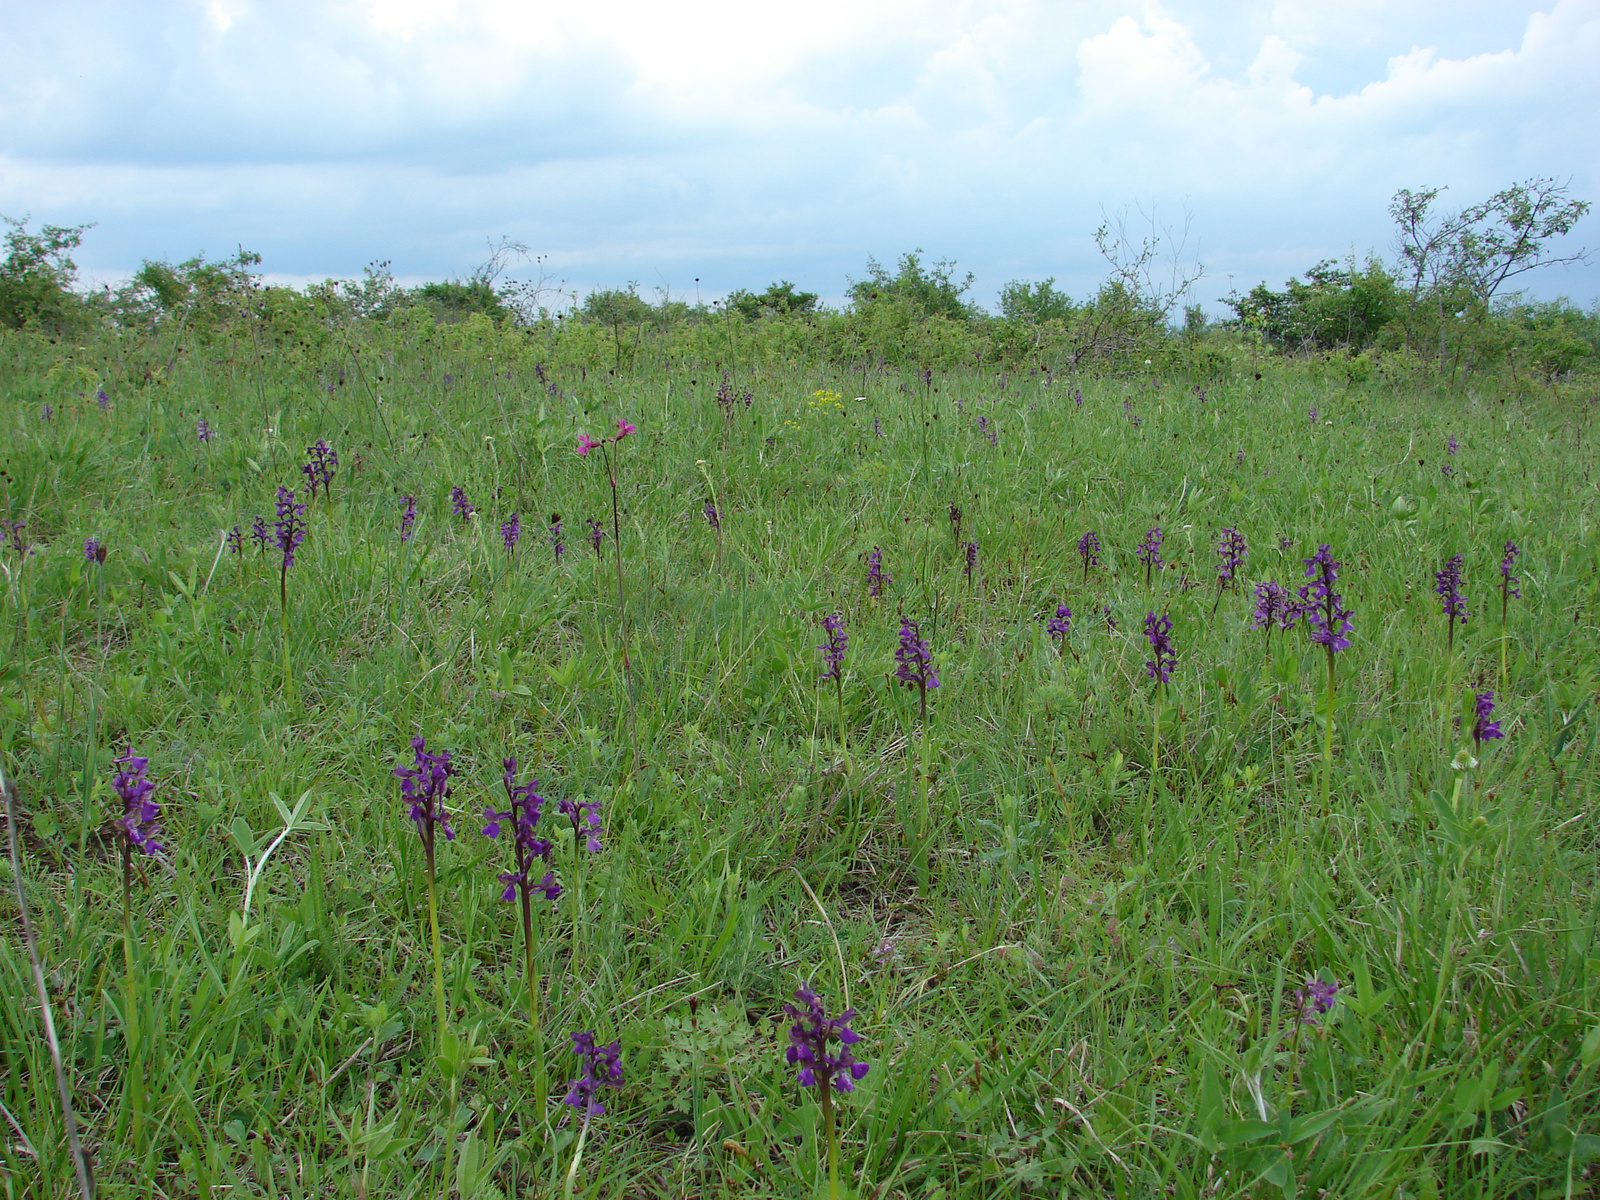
(586, 443)
(625, 427)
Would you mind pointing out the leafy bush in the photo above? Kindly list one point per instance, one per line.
(1334, 306)
(922, 292)
(779, 299)
(37, 277)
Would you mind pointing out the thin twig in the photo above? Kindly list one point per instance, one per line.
(844, 978)
(221, 546)
(1073, 1109)
(16, 1127)
(345, 1066)
(80, 1160)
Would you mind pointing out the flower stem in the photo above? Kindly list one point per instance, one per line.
(622, 596)
(531, 973)
(130, 1014)
(283, 625)
(541, 1085)
(1327, 741)
(925, 867)
(433, 929)
(1503, 634)
(831, 1138)
(1155, 767)
(844, 743)
(577, 1157)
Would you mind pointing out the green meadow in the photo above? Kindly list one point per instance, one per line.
(1079, 916)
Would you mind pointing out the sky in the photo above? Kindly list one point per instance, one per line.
(707, 145)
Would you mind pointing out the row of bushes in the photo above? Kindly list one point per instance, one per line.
(916, 315)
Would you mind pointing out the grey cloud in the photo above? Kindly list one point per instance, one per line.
(304, 136)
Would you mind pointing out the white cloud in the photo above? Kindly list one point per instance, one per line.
(736, 141)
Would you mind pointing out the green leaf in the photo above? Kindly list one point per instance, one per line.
(1591, 1047)
(1211, 1104)
(1281, 1175)
(1240, 1133)
(1308, 1126)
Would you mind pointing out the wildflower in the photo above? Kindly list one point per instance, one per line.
(459, 504)
(1323, 607)
(1274, 603)
(46, 411)
(1314, 1000)
(526, 806)
(1484, 729)
(1158, 631)
(1232, 549)
(596, 534)
(585, 818)
(915, 658)
(624, 428)
(1313, 414)
(102, 399)
(972, 560)
(877, 427)
(1451, 445)
(1447, 584)
(955, 522)
(202, 430)
(713, 517)
(1111, 620)
(1089, 551)
(290, 527)
(1508, 581)
(510, 531)
(1058, 625)
(319, 467)
(408, 517)
(425, 786)
(877, 577)
(1285, 544)
(1149, 551)
(1446, 470)
(833, 649)
(138, 822)
(809, 1039)
(1238, 459)
(259, 534)
(236, 542)
(602, 1067)
(556, 544)
(1077, 397)
(94, 550)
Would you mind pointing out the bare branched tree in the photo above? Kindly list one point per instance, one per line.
(1460, 260)
(1149, 259)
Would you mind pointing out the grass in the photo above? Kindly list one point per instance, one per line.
(1069, 1003)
